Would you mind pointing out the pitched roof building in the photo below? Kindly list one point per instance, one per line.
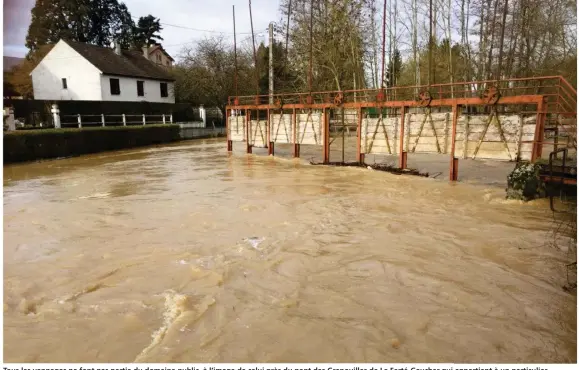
(78, 71)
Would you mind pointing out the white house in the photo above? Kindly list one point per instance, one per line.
(77, 71)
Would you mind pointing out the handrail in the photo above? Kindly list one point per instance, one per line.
(394, 88)
(570, 106)
(568, 95)
(568, 84)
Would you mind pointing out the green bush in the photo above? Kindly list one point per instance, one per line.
(30, 145)
(524, 182)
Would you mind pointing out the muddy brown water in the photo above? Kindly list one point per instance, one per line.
(183, 253)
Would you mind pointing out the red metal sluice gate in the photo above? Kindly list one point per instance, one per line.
(393, 121)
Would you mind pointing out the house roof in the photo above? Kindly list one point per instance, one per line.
(129, 64)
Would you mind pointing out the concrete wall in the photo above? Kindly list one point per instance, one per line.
(381, 136)
(128, 85)
(374, 134)
(310, 128)
(258, 133)
(82, 78)
(281, 128)
(195, 133)
(435, 136)
(237, 128)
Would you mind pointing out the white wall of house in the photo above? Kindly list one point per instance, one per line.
(128, 85)
(82, 78)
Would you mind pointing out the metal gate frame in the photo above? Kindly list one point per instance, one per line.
(386, 98)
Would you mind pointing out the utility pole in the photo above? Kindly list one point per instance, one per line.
(235, 53)
(289, 10)
(311, 45)
(254, 53)
(430, 47)
(271, 63)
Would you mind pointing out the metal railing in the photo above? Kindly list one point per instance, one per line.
(114, 119)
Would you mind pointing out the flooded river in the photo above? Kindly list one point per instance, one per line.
(182, 253)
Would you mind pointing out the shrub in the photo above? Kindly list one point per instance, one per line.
(524, 182)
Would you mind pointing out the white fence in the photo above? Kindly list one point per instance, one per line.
(112, 119)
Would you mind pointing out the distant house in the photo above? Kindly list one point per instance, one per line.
(77, 71)
(159, 56)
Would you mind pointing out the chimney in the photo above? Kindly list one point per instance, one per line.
(145, 49)
(117, 47)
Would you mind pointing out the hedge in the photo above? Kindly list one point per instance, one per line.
(30, 145)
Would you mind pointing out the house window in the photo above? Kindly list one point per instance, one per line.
(158, 57)
(164, 93)
(140, 88)
(115, 86)
(64, 85)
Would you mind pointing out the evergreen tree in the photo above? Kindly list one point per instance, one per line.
(95, 22)
(394, 68)
(283, 76)
(147, 31)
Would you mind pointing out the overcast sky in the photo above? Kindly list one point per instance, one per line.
(212, 15)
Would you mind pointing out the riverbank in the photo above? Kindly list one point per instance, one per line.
(33, 145)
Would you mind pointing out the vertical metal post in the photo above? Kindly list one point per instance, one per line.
(228, 130)
(270, 64)
(171, 118)
(359, 154)
(103, 119)
(453, 160)
(79, 121)
(248, 130)
(124, 120)
(326, 134)
(343, 137)
(144, 122)
(295, 134)
(163, 119)
(401, 151)
(268, 130)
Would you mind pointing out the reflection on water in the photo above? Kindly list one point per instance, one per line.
(185, 253)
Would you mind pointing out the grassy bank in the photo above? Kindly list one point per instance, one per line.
(30, 145)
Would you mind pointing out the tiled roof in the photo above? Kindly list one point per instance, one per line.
(129, 64)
